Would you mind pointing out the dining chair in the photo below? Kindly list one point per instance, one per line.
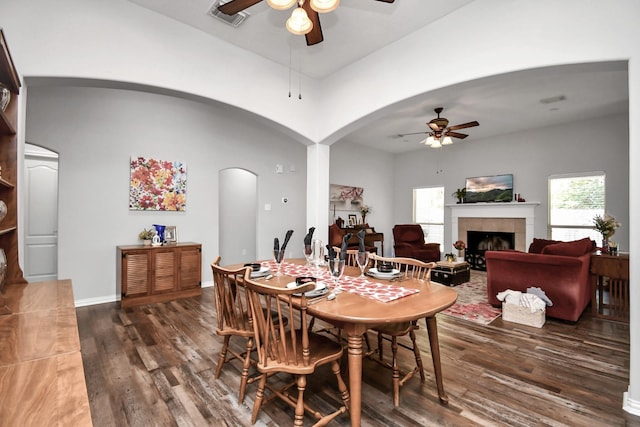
(234, 320)
(409, 268)
(289, 348)
(351, 258)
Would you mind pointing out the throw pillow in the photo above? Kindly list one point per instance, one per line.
(538, 244)
(575, 248)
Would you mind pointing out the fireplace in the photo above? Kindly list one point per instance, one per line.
(517, 218)
(480, 241)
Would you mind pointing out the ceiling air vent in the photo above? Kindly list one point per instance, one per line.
(233, 20)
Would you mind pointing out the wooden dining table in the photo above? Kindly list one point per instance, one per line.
(355, 314)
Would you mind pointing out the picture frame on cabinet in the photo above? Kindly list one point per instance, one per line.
(170, 234)
(353, 220)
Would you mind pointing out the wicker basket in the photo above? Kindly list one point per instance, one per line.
(523, 315)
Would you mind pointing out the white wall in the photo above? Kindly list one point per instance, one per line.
(531, 157)
(95, 131)
(359, 166)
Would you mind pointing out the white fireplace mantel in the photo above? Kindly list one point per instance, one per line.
(524, 210)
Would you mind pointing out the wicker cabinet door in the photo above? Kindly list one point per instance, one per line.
(164, 271)
(190, 268)
(135, 269)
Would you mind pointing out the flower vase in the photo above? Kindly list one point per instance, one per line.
(364, 219)
(461, 253)
(605, 245)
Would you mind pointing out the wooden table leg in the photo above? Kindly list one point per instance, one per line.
(355, 375)
(432, 330)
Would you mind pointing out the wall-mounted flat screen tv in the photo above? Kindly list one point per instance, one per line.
(489, 189)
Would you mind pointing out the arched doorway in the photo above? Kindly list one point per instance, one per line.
(237, 220)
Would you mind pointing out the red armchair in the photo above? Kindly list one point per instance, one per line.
(408, 242)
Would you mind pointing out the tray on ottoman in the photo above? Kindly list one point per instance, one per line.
(451, 273)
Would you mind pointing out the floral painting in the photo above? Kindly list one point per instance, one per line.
(157, 185)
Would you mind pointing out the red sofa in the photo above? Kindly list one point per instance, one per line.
(408, 242)
(560, 269)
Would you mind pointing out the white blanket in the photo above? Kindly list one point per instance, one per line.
(524, 300)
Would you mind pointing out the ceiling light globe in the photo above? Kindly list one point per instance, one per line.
(430, 140)
(447, 140)
(324, 6)
(299, 23)
(281, 4)
(436, 144)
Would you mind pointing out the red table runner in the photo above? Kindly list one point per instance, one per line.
(382, 292)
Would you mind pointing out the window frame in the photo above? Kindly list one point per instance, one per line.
(587, 227)
(427, 224)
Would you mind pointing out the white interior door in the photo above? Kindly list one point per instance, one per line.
(41, 221)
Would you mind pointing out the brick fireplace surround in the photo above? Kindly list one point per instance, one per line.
(514, 217)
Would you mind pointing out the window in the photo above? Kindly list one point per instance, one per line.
(428, 211)
(573, 202)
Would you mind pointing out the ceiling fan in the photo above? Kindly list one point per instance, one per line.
(310, 26)
(440, 132)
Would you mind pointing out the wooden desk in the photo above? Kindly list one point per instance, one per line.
(41, 373)
(355, 315)
(611, 271)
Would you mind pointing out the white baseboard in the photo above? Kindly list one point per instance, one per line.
(97, 300)
(630, 405)
(114, 298)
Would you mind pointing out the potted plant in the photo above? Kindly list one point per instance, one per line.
(146, 236)
(450, 257)
(460, 194)
(605, 225)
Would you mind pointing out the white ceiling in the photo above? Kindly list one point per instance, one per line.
(502, 104)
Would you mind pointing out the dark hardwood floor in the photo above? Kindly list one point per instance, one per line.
(154, 364)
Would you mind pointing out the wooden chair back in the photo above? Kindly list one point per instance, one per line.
(351, 258)
(409, 267)
(281, 345)
(232, 308)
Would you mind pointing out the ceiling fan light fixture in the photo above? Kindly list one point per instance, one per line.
(324, 6)
(430, 140)
(299, 22)
(447, 140)
(436, 144)
(281, 4)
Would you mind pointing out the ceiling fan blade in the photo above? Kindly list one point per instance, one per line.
(464, 125)
(315, 35)
(387, 1)
(433, 126)
(401, 135)
(235, 6)
(457, 135)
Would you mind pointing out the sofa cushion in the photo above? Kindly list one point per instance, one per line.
(574, 248)
(538, 244)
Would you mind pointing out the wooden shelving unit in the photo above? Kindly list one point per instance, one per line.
(9, 164)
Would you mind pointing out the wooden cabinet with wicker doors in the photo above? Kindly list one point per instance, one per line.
(148, 274)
